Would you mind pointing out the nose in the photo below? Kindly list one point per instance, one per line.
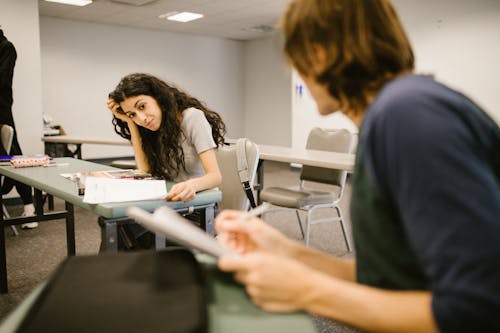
(141, 117)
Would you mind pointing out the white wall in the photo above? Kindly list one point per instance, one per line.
(305, 115)
(456, 40)
(267, 95)
(82, 62)
(459, 42)
(19, 22)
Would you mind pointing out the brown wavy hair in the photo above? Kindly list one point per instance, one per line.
(163, 148)
(364, 43)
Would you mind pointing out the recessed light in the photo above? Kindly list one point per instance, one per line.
(72, 2)
(181, 17)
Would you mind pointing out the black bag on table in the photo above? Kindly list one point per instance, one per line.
(135, 292)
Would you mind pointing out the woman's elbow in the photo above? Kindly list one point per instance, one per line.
(216, 178)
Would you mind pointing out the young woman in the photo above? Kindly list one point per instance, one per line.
(425, 205)
(173, 135)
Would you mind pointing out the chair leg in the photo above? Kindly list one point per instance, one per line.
(14, 230)
(300, 223)
(7, 215)
(308, 225)
(344, 229)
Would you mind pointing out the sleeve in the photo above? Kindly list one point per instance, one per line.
(198, 130)
(449, 201)
(8, 58)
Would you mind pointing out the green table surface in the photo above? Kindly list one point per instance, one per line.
(49, 180)
(230, 309)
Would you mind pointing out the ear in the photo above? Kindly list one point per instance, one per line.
(320, 58)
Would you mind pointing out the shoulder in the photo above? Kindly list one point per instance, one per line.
(193, 119)
(417, 126)
(192, 113)
(197, 129)
(7, 48)
(411, 100)
(417, 108)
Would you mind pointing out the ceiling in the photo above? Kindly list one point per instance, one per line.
(233, 19)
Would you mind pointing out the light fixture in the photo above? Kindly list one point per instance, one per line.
(72, 2)
(181, 17)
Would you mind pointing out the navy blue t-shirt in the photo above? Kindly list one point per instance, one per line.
(426, 201)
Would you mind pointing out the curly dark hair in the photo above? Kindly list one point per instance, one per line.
(163, 147)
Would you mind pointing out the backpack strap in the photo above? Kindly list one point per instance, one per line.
(243, 173)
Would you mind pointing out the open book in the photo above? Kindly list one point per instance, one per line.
(114, 174)
(117, 186)
(168, 223)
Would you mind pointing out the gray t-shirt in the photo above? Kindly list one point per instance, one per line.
(197, 139)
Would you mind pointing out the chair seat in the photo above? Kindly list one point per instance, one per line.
(290, 198)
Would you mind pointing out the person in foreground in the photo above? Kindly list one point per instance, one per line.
(8, 57)
(425, 205)
(173, 135)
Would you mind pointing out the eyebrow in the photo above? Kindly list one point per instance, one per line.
(137, 102)
(135, 106)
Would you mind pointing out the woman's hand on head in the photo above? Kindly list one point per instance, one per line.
(245, 236)
(183, 191)
(273, 282)
(115, 108)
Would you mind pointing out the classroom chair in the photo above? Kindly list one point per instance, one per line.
(238, 166)
(6, 136)
(310, 200)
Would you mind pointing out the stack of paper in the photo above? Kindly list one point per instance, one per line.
(101, 190)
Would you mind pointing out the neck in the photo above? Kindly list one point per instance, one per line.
(358, 115)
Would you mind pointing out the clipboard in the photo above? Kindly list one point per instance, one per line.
(168, 223)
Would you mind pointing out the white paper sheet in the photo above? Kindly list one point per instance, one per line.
(102, 190)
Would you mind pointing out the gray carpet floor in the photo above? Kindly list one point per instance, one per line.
(34, 254)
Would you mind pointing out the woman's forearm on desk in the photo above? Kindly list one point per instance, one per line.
(186, 191)
(139, 155)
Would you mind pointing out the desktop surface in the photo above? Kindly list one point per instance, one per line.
(49, 179)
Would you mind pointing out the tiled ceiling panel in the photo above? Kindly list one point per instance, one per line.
(232, 19)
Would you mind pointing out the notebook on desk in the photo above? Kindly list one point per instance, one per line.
(117, 186)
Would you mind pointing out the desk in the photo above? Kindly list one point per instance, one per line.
(316, 158)
(229, 309)
(49, 180)
(51, 142)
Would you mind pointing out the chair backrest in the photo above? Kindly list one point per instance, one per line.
(233, 195)
(6, 136)
(339, 141)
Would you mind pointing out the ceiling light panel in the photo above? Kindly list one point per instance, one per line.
(72, 2)
(181, 17)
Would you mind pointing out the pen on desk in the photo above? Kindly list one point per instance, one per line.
(56, 164)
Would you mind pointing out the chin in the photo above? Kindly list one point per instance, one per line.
(324, 111)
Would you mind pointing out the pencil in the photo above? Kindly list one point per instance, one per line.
(259, 210)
